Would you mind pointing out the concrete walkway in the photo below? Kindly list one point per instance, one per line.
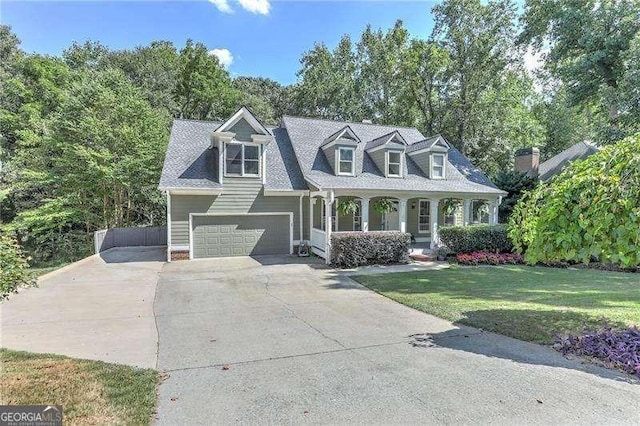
(269, 341)
(99, 308)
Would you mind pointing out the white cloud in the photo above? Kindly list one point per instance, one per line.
(533, 60)
(222, 5)
(224, 56)
(256, 6)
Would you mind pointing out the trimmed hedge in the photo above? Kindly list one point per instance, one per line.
(352, 249)
(469, 239)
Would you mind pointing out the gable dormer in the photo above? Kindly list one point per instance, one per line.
(388, 152)
(431, 155)
(340, 150)
(240, 142)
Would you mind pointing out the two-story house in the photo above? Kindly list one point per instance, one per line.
(240, 188)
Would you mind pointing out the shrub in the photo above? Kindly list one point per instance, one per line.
(515, 183)
(484, 258)
(589, 212)
(352, 249)
(468, 239)
(14, 269)
(617, 348)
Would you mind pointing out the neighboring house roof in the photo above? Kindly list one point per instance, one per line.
(295, 158)
(557, 163)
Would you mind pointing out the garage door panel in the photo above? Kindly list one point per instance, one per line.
(240, 235)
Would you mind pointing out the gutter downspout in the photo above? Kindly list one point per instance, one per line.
(168, 226)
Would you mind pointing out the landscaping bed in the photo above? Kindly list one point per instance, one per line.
(90, 392)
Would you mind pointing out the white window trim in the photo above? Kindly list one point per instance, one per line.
(353, 161)
(387, 163)
(242, 173)
(444, 162)
(428, 215)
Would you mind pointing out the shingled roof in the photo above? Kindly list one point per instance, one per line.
(557, 163)
(295, 158)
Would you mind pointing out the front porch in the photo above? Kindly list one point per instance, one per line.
(421, 215)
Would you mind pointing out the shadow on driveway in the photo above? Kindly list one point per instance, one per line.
(134, 254)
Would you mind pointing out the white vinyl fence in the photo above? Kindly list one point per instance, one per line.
(129, 237)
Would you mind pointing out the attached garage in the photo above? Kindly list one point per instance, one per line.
(250, 234)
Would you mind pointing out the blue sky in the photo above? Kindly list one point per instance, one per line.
(264, 37)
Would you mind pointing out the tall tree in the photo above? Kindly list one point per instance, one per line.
(587, 42)
(327, 86)
(203, 87)
(425, 69)
(267, 99)
(479, 38)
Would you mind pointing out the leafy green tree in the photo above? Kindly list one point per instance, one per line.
(267, 99)
(588, 42)
(380, 58)
(203, 90)
(425, 74)
(14, 270)
(327, 86)
(479, 39)
(97, 166)
(589, 212)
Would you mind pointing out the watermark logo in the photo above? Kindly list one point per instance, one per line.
(30, 415)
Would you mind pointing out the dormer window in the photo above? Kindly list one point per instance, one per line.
(345, 161)
(394, 164)
(242, 159)
(437, 166)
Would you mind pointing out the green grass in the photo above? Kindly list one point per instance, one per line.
(528, 303)
(90, 392)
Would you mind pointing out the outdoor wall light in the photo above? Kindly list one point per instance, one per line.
(413, 205)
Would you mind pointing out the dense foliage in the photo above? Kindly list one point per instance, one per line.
(13, 266)
(589, 212)
(485, 258)
(515, 183)
(617, 348)
(476, 238)
(352, 249)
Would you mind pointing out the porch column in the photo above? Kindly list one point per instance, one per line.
(467, 212)
(364, 207)
(433, 217)
(312, 201)
(328, 202)
(493, 212)
(402, 214)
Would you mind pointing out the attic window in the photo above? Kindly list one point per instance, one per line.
(437, 166)
(242, 159)
(394, 164)
(345, 161)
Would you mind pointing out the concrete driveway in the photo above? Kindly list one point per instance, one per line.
(99, 308)
(268, 341)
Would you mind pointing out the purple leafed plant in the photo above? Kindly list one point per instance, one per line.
(618, 348)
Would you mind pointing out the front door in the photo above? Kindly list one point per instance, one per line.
(391, 220)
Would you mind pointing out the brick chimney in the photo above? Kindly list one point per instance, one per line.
(528, 160)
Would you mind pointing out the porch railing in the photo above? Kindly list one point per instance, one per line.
(318, 240)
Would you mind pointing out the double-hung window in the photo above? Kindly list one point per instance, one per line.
(345, 161)
(437, 166)
(424, 225)
(242, 159)
(394, 164)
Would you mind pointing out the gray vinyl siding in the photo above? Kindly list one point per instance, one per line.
(330, 153)
(243, 131)
(422, 160)
(378, 158)
(240, 195)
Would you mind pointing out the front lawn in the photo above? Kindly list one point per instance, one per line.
(90, 392)
(528, 303)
